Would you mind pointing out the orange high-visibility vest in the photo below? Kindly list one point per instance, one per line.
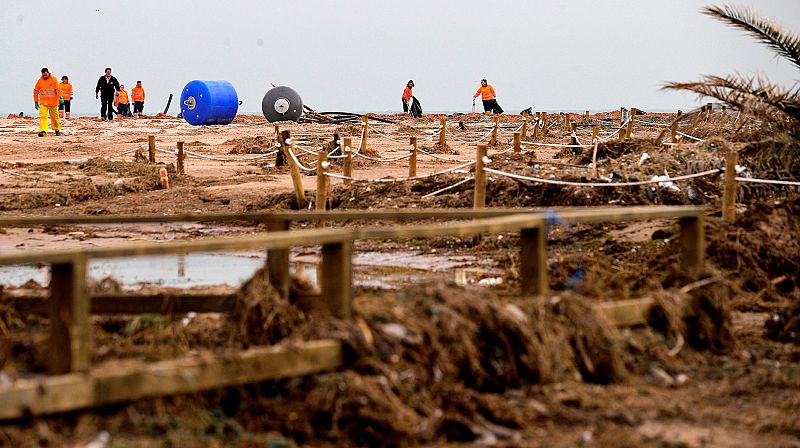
(137, 93)
(486, 93)
(123, 97)
(46, 91)
(407, 94)
(66, 90)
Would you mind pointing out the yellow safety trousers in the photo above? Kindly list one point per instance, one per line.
(43, 112)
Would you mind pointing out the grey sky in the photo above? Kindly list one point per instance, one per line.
(358, 55)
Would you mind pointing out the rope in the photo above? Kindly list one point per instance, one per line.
(768, 181)
(474, 141)
(125, 152)
(442, 158)
(381, 159)
(556, 145)
(466, 179)
(386, 136)
(689, 136)
(29, 177)
(219, 159)
(650, 123)
(401, 179)
(297, 161)
(600, 184)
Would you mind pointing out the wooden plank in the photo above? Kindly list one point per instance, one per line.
(284, 240)
(278, 261)
(138, 380)
(499, 224)
(517, 141)
(126, 303)
(693, 243)
(70, 330)
(627, 313)
(533, 260)
(336, 278)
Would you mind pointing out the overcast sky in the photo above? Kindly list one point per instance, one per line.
(358, 55)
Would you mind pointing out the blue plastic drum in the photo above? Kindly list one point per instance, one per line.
(209, 102)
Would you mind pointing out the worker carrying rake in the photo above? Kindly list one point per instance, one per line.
(486, 91)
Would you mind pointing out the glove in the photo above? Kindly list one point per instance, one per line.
(36, 105)
(61, 101)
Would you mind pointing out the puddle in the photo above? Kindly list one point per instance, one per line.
(207, 269)
(178, 271)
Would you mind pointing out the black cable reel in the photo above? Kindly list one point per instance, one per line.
(282, 104)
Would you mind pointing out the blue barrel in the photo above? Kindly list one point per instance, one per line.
(209, 102)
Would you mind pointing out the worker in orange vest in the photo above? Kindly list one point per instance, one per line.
(407, 95)
(486, 91)
(137, 94)
(46, 98)
(123, 107)
(66, 96)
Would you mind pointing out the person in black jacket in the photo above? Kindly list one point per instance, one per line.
(107, 86)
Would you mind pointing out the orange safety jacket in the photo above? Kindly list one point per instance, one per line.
(486, 93)
(66, 90)
(407, 94)
(137, 93)
(46, 91)
(122, 97)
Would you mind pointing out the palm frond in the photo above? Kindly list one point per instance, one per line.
(739, 93)
(786, 44)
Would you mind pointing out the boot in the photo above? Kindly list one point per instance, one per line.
(67, 115)
(41, 133)
(58, 133)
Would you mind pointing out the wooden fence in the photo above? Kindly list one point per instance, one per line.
(69, 304)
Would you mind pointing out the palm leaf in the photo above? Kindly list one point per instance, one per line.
(742, 93)
(786, 44)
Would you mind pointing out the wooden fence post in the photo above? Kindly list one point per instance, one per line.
(347, 150)
(495, 125)
(621, 115)
(524, 130)
(517, 141)
(442, 136)
(673, 130)
(545, 129)
(595, 132)
(278, 261)
(479, 197)
(693, 242)
(729, 191)
(180, 167)
(573, 135)
(533, 260)
(631, 119)
(567, 122)
(709, 108)
(536, 123)
(365, 131)
(412, 161)
(297, 181)
(336, 278)
(151, 148)
(322, 182)
(70, 327)
(586, 117)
